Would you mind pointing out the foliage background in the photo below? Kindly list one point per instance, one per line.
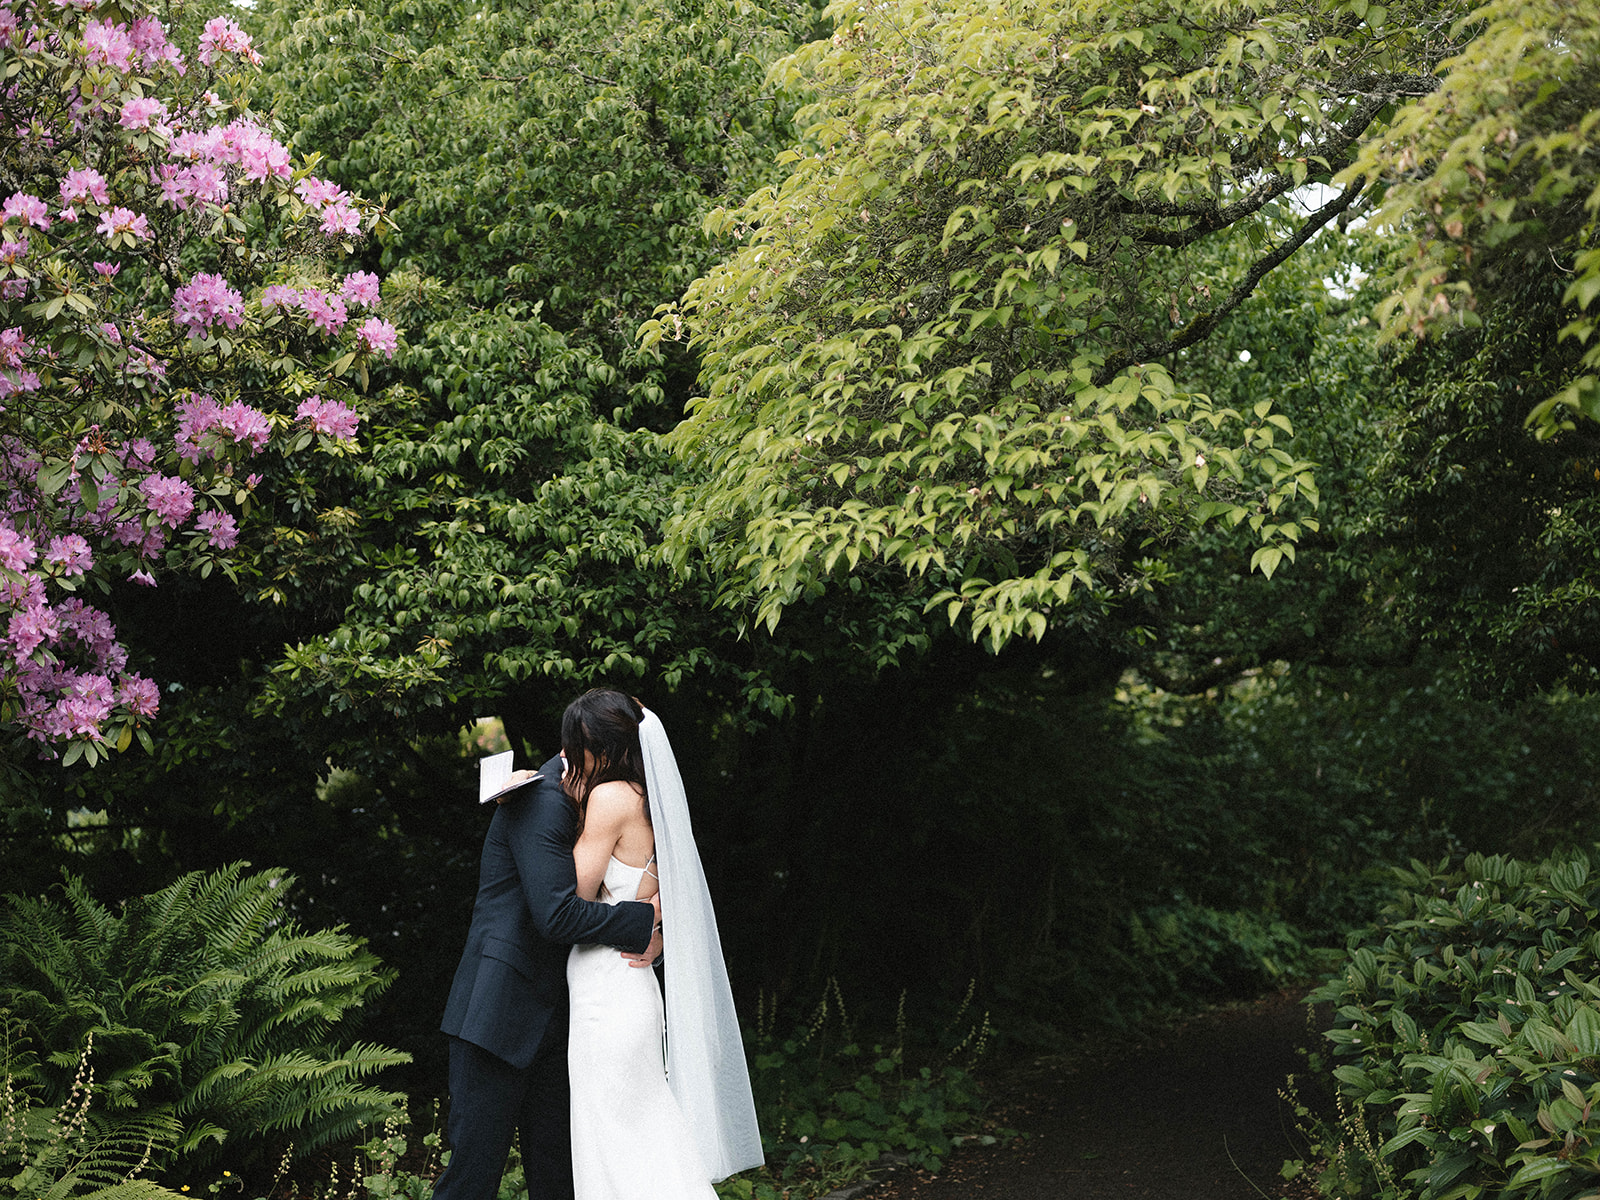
(1185, 790)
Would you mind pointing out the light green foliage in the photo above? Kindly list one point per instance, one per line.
(941, 343)
(1496, 169)
(208, 1010)
(1468, 1032)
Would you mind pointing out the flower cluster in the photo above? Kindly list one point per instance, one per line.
(377, 337)
(221, 36)
(328, 417)
(201, 415)
(207, 300)
(174, 168)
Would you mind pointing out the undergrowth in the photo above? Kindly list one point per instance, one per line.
(831, 1104)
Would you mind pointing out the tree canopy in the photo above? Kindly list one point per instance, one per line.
(945, 344)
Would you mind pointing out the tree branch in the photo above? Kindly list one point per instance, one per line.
(1204, 324)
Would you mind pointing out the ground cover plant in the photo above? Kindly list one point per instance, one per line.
(1466, 1039)
(65, 1150)
(831, 1104)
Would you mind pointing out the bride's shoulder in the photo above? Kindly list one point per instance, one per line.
(616, 795)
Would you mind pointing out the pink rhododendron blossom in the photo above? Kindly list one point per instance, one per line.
(87, 703)
(108, 42)
(204, 181)
(127, 533)
(245, 425)
(208, 182)
(361, 288)
(207, 300)
(328, 417)
(70, 553)
(138, 695)
(16, 550)
(377, 337)
(26, 209)
(221, 36)
(327, 312)
(14, 289)
(201, 414)
(30, 628)
(340, 217)
(107, 270)
(139, 453)
(13, 252)
(69, 215)
(318, 193)
(140, 111)
(13, 346)
(277, 295)
(262, 156)
(169, 497)
(84, 183)
(195, 416)
(141, 576)
(149, 38)
(111, 333)
(221, 526)
(123, 220)
(22, 591)
(17, 381)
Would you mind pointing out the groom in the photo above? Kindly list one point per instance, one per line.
(507, 1012)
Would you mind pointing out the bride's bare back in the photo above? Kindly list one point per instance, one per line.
(615, 824)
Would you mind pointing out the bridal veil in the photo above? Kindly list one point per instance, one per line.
(705, 1052)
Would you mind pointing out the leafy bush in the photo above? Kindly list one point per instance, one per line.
(205, 1006)
(831, 1105)
(1468, 1025)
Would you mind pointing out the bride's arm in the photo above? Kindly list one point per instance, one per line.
(609, 807)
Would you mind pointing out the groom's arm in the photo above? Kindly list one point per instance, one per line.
(541, 842)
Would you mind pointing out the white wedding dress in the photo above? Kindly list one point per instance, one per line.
(630, 1139)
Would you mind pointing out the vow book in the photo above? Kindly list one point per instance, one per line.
(494, 777)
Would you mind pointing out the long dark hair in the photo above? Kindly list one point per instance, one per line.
(604, 723)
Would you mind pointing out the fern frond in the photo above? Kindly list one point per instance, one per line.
(205, 1003)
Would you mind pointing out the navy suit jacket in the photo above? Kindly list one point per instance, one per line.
(513, 972)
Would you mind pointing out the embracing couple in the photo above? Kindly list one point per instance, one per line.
(555, 1017)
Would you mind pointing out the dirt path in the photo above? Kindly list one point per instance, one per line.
(1190, 1112)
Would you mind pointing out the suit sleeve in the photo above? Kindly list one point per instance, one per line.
(541, 843)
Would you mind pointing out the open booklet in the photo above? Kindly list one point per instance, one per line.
(494, 777)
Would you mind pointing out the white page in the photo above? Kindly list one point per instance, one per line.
(494, 777)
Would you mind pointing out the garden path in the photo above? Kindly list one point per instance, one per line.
(1190, 1111)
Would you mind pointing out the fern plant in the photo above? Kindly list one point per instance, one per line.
(207, 1006)
(67, 1151)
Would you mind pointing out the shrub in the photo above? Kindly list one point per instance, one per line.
(1467, 1025)
(205, 1005)
(831, 1105)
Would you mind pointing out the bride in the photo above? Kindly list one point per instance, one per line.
(653, 1116)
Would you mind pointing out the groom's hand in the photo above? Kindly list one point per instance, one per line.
(653, 950)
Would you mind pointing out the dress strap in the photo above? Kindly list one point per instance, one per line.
(648, 871)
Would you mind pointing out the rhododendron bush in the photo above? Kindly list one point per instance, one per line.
(173, 318)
